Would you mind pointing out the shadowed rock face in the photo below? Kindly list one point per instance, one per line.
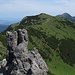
(20, 61)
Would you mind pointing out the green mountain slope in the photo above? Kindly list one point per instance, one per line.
(2, 51)
(55, 39)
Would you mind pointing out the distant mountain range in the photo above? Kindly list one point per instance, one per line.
(5, 23)
(3, 27)
(67, 16)
(9, 21)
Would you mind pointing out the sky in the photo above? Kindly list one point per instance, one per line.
(20, 8)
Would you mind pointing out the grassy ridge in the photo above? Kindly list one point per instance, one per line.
(55, 39)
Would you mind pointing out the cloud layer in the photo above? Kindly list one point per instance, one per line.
(21, 8)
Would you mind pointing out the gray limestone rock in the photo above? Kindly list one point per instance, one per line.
(20, 61)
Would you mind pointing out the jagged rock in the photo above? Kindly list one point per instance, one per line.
(20, 61)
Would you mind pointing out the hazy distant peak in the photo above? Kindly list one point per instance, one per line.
(67, 16)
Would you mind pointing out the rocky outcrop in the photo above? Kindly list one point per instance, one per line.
(20, 61)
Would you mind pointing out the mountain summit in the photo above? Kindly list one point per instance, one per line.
(67, 16)
(34, 20)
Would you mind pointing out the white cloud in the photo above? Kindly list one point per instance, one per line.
(27, 7)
